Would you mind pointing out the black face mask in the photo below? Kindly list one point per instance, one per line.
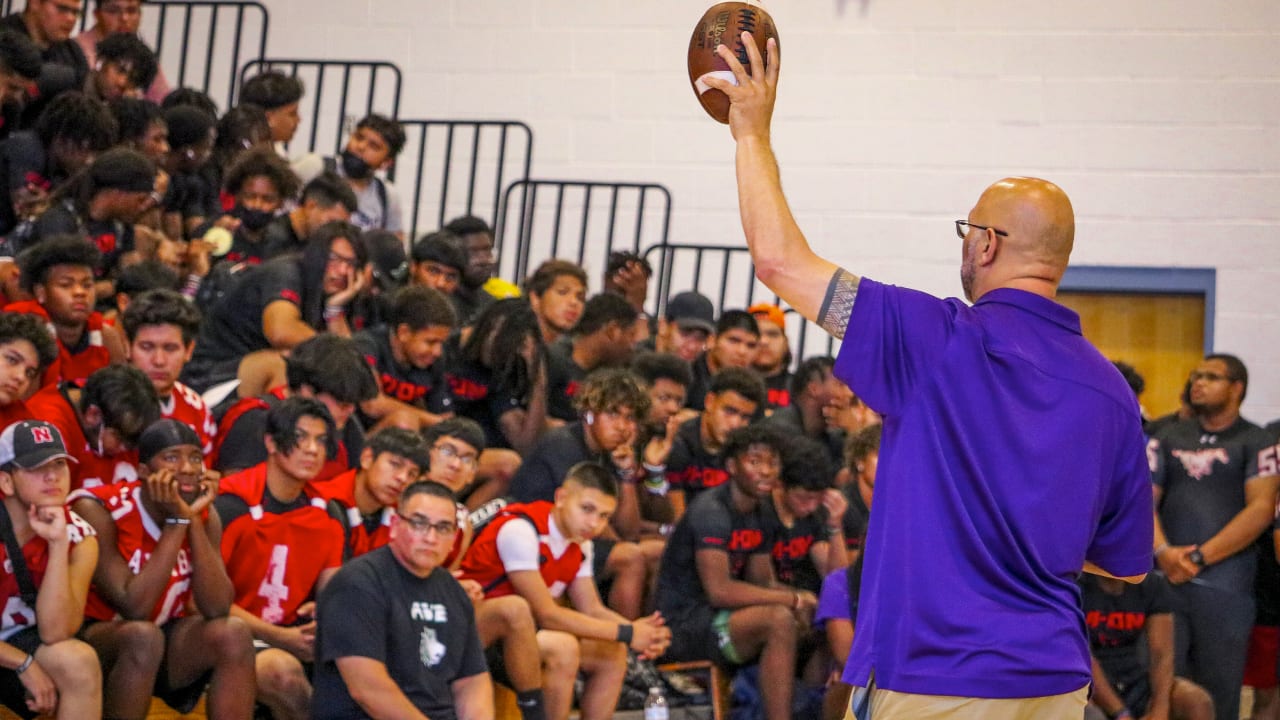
(252, 219)
(355, 167)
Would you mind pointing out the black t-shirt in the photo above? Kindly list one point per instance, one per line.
(191, 196)
(690, 467)
(792, 562)
(547, 464)
(23, 161)
(477, 396)
(1117, 623)
(855, 517)
(710, 523)
(422, 629)
(112, 238)
(424, 388)
(778, 390)
(564, 377)
(696, 395)
(233, 327)
(469, 302)
(1202, 475)
(279, 237)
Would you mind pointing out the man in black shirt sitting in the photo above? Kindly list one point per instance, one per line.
(405, 355)
(716, 587)
(49, 24)
(603, 337)
(397, 634)
(325, 199)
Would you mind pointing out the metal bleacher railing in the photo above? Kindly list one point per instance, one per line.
(578, 220)
(364, 87)
(461, 167)
(726, 275)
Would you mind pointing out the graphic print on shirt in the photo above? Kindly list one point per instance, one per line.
(1199, 463)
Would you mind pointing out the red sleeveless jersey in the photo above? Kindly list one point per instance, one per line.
(187, 407)
(274, 560)
(17, 615)
(360, 539)
(483, 564)
(137, 534)
(68, 367)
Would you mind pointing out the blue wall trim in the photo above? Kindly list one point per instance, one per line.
(1176, 281)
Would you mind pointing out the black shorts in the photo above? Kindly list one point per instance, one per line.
(497, 662)
(1136, 694)
(183, 699)
(702, 633)
(13, 694)
(600, 549)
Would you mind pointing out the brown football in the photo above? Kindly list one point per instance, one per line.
(723, 24)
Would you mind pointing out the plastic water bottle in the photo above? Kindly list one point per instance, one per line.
(655, 706)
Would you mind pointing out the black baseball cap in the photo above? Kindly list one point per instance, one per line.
(31, 443)
(691, 310)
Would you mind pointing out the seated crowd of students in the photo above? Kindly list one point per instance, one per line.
(260, 447)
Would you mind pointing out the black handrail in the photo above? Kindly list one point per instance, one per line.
(460, 167)
(726, 275)
(319, 107)
(623, 227)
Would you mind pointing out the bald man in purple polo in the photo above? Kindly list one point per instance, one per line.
(1012, 456)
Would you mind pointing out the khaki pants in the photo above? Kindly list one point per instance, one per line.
(890, 705)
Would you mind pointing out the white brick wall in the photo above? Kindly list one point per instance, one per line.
(1160, 117)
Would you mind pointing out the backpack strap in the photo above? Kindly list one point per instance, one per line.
(26, 586)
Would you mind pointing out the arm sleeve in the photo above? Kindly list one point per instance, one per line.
(1122, 543)
(473, 662)
(833, 603)
(712, 529)
(280, 282)
(393, 221)
(894, 338)
(356, 613)
(587, 568)
(518, 546)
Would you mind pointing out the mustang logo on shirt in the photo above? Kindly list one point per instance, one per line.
(431, 649)
(1199, 463)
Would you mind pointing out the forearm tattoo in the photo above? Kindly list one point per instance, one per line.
(838, 305)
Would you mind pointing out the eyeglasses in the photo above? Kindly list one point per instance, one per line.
(963, 225)
(73, 10)
(448, 452)
(423, 526)
(1208, 377)
(343, 260)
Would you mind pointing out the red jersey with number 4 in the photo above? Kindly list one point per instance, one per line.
(187, 407)
(274, 558)
(17, 614)
(137, 534)
(73, 367)
(483, 563)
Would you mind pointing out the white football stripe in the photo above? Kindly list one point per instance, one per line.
(722, 74)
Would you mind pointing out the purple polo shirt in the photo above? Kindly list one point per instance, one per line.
(1012, 452)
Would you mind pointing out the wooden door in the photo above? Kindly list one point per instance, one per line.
(1162, 336)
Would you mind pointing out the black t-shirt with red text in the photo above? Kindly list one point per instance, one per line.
(691, 468)
(478, 396)
(711, 523)
(1117, 623)
(423, 388)
(564, 377)
(778, 390)
(792, 562)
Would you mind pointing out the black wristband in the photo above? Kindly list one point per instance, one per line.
(625, 633)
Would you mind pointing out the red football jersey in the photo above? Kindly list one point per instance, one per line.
(90, 468)
(17, 614)
(187, 407)
(274, 560)
(483, 564)
(360, 540)
(16, 411)
(74, 368)
(137, 534)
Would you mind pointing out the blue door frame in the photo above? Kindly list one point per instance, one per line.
(1162, 281)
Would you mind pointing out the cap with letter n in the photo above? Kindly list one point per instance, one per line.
(31, 443)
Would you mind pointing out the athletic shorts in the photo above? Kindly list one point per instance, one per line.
(600, 549)
(183, 699)
(1260, 661)
(13, 694)
(702, 633)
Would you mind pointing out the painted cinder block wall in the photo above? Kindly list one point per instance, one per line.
(1161, 118)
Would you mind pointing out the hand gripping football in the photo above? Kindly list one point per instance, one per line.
(723, 24)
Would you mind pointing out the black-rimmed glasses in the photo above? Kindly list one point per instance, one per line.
(962, 229)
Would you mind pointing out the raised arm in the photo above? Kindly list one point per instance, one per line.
(783, 259)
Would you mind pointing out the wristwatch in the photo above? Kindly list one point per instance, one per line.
(1197, 557)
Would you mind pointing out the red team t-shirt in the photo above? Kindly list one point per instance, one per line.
(137, 535)
(274, 554)
(71, 367)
